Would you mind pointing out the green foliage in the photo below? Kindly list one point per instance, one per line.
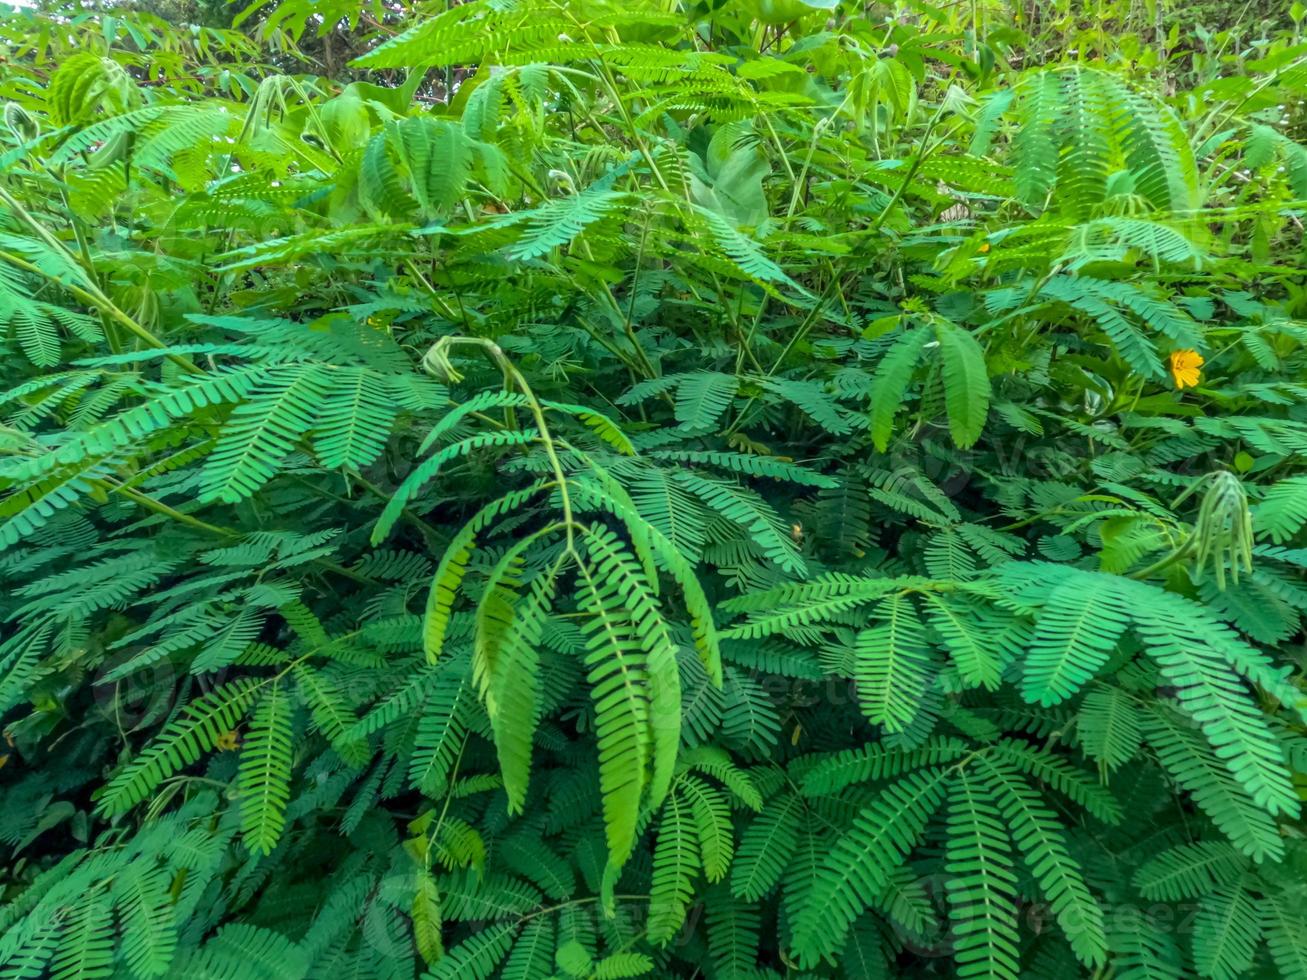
(598, 490)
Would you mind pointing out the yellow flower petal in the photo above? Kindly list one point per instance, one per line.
(1185, 365)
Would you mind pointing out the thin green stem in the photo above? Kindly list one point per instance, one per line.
(98, 300)
(162, 509)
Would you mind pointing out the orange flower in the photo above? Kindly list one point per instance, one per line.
(984, 247)
(1184, 367)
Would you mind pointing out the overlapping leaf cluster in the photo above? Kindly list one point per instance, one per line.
(713, 497)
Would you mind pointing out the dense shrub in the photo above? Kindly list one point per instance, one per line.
(602, 489)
